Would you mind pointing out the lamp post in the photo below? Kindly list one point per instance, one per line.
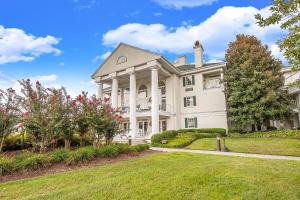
(218, 143)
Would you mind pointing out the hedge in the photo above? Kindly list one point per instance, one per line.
(35, 161)
(286, 133)
(171, 136)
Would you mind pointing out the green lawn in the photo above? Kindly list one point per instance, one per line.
(275, 146)
(168, 176)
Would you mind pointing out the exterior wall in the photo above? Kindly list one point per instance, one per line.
(210, 108)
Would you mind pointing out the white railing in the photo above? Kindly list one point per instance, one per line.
(141, 108)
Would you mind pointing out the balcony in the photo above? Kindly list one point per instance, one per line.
(145, 108)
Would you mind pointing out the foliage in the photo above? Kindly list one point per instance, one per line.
(63, 114)
(38, 117)
(184, 135)
(286, 133)
(34, 161)
(59, 155)
(6, 165)
(180, 141)
(287, 14)
(9, 113)
(254, 84)
(83, 154)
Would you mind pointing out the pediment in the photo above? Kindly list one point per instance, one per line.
(123, 57)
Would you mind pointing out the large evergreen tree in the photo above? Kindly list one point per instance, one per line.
(254, 84)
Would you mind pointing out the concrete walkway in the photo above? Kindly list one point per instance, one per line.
(227, 153)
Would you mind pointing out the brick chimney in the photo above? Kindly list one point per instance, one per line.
(181, 60)
(198, 54)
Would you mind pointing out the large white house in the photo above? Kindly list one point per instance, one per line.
(155, 94)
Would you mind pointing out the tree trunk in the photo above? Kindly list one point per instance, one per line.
(1, 144)
(67, 144)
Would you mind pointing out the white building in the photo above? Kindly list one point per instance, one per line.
(155, 94)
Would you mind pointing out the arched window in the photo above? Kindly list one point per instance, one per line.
(142, 93)
(162, 87)
(121, 59)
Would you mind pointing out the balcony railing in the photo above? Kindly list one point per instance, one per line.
(140, 108)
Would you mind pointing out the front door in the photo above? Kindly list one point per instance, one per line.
(143, 127)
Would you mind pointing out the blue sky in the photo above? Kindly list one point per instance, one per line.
(62, 42)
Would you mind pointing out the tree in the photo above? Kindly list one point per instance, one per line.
(38, 114)
(287, 14)
(9, 113)
(81, 115)
(254, 84)
(63, 115)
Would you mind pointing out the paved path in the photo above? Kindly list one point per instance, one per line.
(227, 153)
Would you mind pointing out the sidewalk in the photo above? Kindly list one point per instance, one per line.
(227, 153)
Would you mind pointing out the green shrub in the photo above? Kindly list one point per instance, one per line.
(286, 133)
(198, 133)
(214, 131)
(6, 165)
(141, 147)
(59, 155)
(180, 141)
(165, 135)
(32, 162)
(108, 151)
(80, 155)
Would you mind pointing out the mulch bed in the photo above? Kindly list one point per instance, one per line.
(62, 167)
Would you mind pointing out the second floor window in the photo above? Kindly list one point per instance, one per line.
(212, 82)
(189, 101)
(142, 93)
(188, 80)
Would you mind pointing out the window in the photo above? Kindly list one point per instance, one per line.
(188, 80)
(189, 101)
(142, 93)
(162, 87)
(121, 59)
(190, 122)
(212, 82)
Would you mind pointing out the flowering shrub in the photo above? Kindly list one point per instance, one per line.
(9, 113)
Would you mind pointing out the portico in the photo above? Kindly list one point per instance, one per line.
(136, 91)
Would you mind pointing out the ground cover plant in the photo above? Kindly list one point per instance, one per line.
(35, 161)
(167, 176)
(184, 137)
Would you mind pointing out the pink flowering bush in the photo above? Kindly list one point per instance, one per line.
(9, 113)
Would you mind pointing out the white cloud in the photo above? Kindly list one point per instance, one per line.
(16, 45)
(47, 78)
(179, 4)
(102, 57)
(215, 33)
(61, 64)
(105, 55)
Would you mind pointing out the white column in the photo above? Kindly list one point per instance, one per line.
(100, 90)
(132, 105)
(114, 93)
(154, 97)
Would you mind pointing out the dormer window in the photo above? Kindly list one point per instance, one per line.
(121, 59)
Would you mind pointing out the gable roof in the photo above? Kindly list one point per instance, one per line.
(138, 55)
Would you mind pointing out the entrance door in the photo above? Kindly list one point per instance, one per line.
(143, 127)
(162, 125)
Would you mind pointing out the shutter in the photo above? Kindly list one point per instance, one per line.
(195, 121)
(184, 101)
(183, 79)
(194, 100)
(186, 122)
(193, 80)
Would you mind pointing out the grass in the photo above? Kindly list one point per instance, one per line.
(273, 146)
(168, 176)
